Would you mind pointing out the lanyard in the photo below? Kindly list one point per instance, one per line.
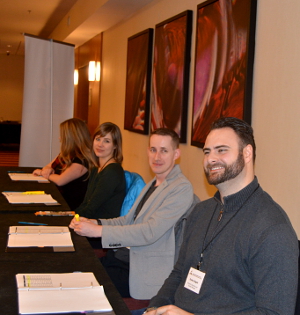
(219, 219)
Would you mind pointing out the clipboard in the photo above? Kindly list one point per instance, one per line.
(73, 292)
(39, 239)
(29, 197)
(17, 176)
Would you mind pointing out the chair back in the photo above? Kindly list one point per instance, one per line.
(297, 310)
(180, 227)
(134, 186)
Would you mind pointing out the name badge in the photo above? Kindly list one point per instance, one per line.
(194, 280)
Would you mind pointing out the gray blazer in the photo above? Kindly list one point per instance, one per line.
(151, 236)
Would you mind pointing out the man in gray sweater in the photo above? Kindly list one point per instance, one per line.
(240, 252)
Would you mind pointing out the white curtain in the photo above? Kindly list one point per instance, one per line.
(48, 98)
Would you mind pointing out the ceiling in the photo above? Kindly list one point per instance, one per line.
(41, 17)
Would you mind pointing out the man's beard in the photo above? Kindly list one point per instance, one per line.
(230, 171)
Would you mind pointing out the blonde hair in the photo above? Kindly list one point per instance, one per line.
(75, 142)
(116, 135)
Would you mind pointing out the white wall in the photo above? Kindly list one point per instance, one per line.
(276, 109)
(11, 87)
(275, 112)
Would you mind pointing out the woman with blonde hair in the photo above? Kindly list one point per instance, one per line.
(70, 169)
(107, 185)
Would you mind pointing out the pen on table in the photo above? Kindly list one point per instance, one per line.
(77, 217)
(55, 213)
(33, 193)
(32, 223)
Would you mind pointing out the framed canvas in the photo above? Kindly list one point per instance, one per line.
(224, 59)
(138, 82)
(170, 79)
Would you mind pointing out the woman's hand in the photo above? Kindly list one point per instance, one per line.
(47, 171)
(37, 172)
(71, 173)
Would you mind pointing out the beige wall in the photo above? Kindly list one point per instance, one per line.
(275, 112)
(11, 87)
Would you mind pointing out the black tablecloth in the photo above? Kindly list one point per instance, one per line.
(6, 184)
(83, 259)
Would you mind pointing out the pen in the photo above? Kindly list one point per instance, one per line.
(32, 223)
(77, 217)
(33, 193)
(55, 213)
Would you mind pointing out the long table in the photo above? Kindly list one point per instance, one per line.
(83, 259)
(6, 184)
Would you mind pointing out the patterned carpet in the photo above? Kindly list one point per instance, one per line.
(9, 158)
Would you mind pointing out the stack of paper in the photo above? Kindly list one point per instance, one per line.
(27, 177)
(29, 197)
(40, 236)
(72, 292)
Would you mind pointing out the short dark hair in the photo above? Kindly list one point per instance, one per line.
(167, 132)
(243, 130)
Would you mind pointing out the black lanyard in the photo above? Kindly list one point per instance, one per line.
(215, 235)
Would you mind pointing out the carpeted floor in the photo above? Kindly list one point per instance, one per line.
(9, 157)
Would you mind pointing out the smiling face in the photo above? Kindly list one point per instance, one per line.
(162, 154)
(103, 146)
(223, 156)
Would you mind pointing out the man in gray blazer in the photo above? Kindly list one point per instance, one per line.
(148, 228)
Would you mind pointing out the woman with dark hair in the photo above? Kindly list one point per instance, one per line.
(70, 169)
(107, 186)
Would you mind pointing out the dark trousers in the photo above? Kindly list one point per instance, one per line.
(118, 271)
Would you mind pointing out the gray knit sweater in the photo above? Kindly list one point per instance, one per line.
(250, 258)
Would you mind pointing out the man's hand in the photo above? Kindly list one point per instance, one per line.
(86, 227)
(82, 219)
(169, 310)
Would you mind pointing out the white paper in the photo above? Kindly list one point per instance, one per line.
(27, 177)
(19, 197)
(39, 236)
(73, 292)
(29, 229)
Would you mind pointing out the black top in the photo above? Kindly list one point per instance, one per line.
(74, 191)
(105, 193)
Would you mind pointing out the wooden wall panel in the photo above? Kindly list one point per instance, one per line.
(87, 94)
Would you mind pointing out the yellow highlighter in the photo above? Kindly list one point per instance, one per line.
(33, 193)
(77, 217)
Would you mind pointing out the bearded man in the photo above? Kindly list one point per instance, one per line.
(240, 252)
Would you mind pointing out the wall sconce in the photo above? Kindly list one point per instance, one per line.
(94, 71)
(98, 71)
(75, 77)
